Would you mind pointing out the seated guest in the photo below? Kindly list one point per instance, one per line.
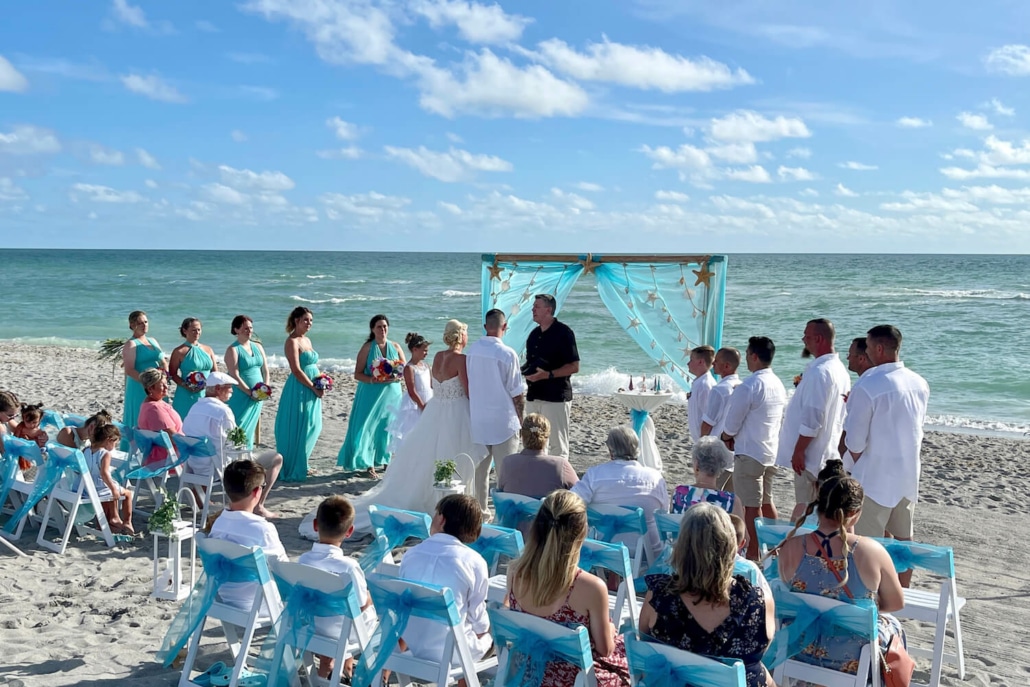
(834, 562)
(711, 458)
(79, 437)
(703, 607)
(98, 458)
(156, 414)
(531, 472)
(623, 481)
(211, 417)
(546, 581)
(446, 561)
(9, 407)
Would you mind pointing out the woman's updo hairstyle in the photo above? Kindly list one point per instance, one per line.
(536, 430)
(415, 340)
(452, 332)
(186, 324)
(295, 314)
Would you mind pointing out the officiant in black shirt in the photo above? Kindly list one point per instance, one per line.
(551, 360)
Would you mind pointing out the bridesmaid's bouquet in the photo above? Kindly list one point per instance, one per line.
(323, 382)
(261, 392)
(195, 381)
(384, 370)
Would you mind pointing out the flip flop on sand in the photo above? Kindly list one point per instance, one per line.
(204, 679)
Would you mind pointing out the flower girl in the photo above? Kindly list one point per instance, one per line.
(418, 389)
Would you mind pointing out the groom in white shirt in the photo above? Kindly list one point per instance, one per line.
(496, 398)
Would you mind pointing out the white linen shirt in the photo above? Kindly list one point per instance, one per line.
(246, 529)
(446, 562)
(494, 380)
(754, 416)
(718, 402)
(209, 417)
(700, 390)
(331, 558)
(885, 425)
(816, 410)
(627, 483)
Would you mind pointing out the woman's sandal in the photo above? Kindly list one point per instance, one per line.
(204, 679)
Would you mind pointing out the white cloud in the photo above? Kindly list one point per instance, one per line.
(985, 171)
(928, 201)
(127, 14)
(750, 126)
(103, 194)
(639, 67)
(802, 153)
(572, 200)
(206, 26)
(857, 166)
(100, 155)
(237, 136)
(153, 87)
(913, 122)
(809, 193)
(589, 187)
(976, 122)
(369, 206)
(450, 166)
(686, 157)
(146, 159)
(150, 183)
(755, 174)
(1004, 152)
(735, 153)
(1013, 60)
(346, 153)
(345, 131)
(449, 207)
(249, 57)
(11, 80)
(248, 180)
(794, 174)
(454, 138)
(844, 192)
(1000, 108)
(671, 196)
(476, 23)
(219, 193)
(29, 140)
(9, 192)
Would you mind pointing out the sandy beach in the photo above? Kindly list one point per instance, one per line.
(86, 618)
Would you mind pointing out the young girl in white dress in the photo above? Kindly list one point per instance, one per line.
(98, 457)
(418, 389)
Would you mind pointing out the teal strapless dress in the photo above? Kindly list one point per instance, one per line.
(246, 410)
(148, 357)
(195, 360)
(375, 405)
(298, 422)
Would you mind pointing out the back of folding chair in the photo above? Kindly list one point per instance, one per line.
(152, 476)
(613, 558)
(13, 449)
(199, 447)
(512, 510)
(48, 474)
(397, 526)
(526, 643)
(74, 488)
(668, 525)
(608, 522)
(652, 663)
(494, 542)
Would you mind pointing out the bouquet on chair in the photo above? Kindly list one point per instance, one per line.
(195, 381)
(323, 382)
(384, 370)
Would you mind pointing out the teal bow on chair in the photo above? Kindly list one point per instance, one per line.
(52, 419)
(906, 556)
(530, 651)
(14, 449)
(653, 662)
(511, 512)
(374, 554)
(496, 541)
(60, 459)
(72, 420)
(614, 557)
(610, 524)
(193, 447)
(133, 469)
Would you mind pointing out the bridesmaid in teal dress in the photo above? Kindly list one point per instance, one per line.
(190, 356)
(299, 419)
(140, 353)
(375, 404)
(246, 361)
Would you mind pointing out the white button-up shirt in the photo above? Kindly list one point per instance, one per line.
(700, 390)
(885, 425)
(718, 402)
(816, 410)
(754, 416)
(209, 417)
(246, 529)
(444, 561)
(331, 558)
(494, 380)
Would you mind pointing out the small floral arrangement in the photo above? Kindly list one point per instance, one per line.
(323, 382)
(237, 437)
(195, 381)
(261, 392)
(797, 379)
(164, 517)
(445, 471)
(384, 370)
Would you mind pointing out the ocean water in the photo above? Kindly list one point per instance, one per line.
(964, 318)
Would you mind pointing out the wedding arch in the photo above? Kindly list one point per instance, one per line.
(667, 304)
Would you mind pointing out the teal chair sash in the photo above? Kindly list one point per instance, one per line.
(610, 524)
(511, 512)
(507, 542)
(529, 652)
(59, 459)
(659, 671)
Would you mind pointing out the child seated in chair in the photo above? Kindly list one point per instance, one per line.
(334, 522)
(105, 439)
(446, 560)
(30, 430)
(243, 481)
(742, 539)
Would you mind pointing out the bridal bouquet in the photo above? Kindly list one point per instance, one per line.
(195, 381)
(323, 382)
(261, 392)
(384, 370)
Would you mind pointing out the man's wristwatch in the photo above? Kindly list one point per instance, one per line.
(550, 374)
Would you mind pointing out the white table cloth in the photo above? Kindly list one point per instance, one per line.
(645, 402)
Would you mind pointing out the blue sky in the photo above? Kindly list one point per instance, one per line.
(643, 126)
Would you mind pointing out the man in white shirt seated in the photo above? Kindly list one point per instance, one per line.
(446, 561)
(814, 419)
(623, 481)
(211, 417)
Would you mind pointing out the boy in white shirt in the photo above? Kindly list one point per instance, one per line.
(334, 522)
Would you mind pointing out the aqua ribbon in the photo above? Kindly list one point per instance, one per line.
(218, 570)
(659, 671)
(904, 555)
(638, 417)
(507, 543)
(395, 610)
(15, 448)
(613, 557)
(510, 513)
(395, 532)
(610, 524)
(133, 469)
(374, 553)
(529, 653)
(71, 420)
(52, 419)
(808, 625)
(661, 566)
(59, 459)
(193, 447)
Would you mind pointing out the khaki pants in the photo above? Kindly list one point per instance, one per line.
(876, 519)
(558, 415)
(497, 452)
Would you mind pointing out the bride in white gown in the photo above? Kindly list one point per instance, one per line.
(442, 432)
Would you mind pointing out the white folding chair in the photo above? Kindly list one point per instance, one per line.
(71, 491)
(391, 527)
(611, 522)
(683, 667)
(512, 510)
(613, 558)
(396, 601)
(152, 477)
(526, 644)
(339, 629)
(202, 485)
(771, 534)
(15, 490)
(495, 543)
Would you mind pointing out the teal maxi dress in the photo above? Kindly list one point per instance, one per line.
(148, 356)
(298, 422)
(368, 438)
(196, 360)
(246, 410)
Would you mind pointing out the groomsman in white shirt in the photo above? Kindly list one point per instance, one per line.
(858, 362)
(727, 360)
(815, 415)
(884, 425)
(752, 430)
(496, 398)
(699, 365)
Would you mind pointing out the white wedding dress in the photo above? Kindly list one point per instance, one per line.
(441, 433)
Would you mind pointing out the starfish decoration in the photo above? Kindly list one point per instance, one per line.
(525, 295)
(663, 362)
(704, 275)
(634, 323)
(515, 310)
(505, 285)
(589, 265)
(652, 297)
(686, 352)
(495, 271)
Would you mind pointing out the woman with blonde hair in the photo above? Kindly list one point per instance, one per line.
(546, 581)
(531, 472)
(703, 607)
